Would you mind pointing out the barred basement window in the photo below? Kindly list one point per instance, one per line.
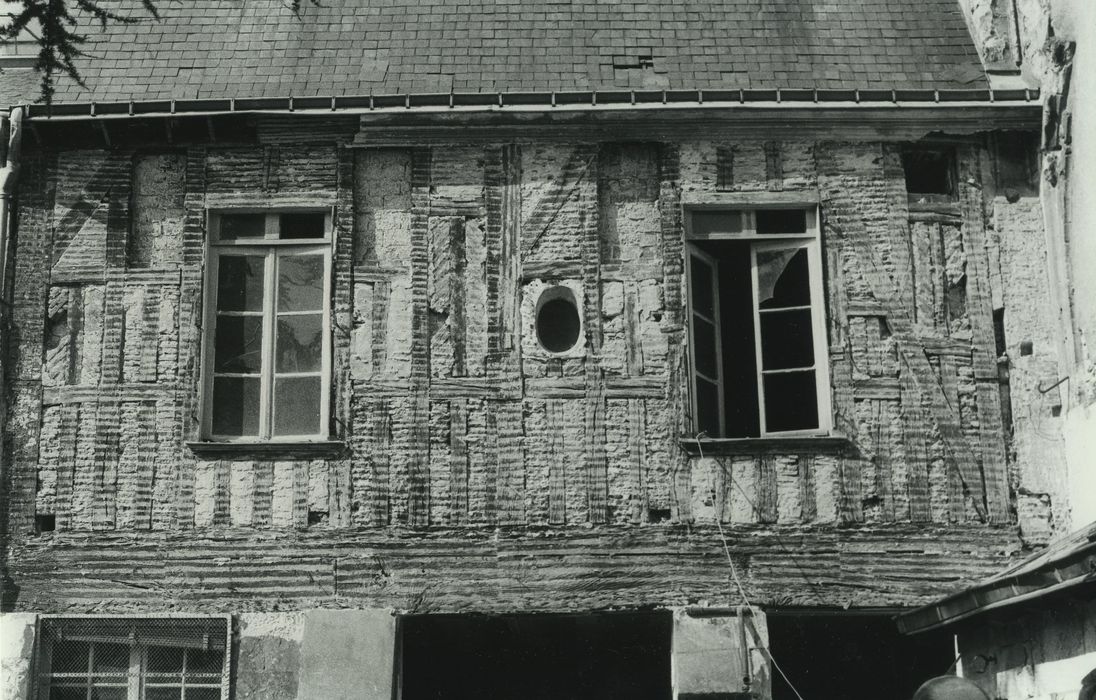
(757, 326)
(97, 658)
(267, 369)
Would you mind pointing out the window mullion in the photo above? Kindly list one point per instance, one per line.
(90, 680)
(325, 365)
(759, 368)
(266, 400)
(136, 676)
(821, 339)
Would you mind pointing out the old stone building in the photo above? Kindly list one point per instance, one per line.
(512, 349)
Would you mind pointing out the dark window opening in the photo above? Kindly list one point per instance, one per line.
(235, 226)
(302, 225)
(537, 657)
(782, 221)
(752, 328)
(853, 657)
(658, 515)
(45, 522)
(929, 171)
(558, 324)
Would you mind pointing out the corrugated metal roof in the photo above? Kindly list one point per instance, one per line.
(258, 48)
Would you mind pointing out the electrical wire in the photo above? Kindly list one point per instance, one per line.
(738, 582)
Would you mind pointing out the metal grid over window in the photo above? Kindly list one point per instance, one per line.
(117, 658)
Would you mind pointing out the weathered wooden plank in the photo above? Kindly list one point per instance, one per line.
(766, 480)
(458, 462)
(66, 457)
(418, 489)
(956, 500)
(915, 448)
(222, 501)
(503, 570)
(980, 312)
(806, 488)
(597, 468)
(557, 471)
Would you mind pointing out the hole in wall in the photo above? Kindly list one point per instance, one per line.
(558, 322)
(45, 522)
(929, 171)
(658, 515)
(317, 517)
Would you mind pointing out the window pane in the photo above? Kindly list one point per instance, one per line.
(707, 408)
(199, 661)
(116, 693)
(242, 226)
(56, 693)
(300, 283)
(708, 222)
(701, 290)
(165, 660)
(163, 693)
(239, 344)
(302, 225)
(203, 693)
(70, 657)
(111, 658)
(300, 343)
(704, 348)
(790, 401)
(240, 283)
(783, 278)
(781, 221)
(235, 406)
(786, 340)
(296, 405)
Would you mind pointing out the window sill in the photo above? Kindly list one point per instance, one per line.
(296, 448)
(832, 443)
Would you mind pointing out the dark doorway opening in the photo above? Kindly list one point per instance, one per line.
(853, 657)
(537, 657)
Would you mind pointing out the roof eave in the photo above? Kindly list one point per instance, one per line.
(1076, 568)
(563, 102)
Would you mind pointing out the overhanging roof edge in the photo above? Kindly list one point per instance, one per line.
(544, 102)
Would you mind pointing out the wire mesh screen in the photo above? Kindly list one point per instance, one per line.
(96, 658)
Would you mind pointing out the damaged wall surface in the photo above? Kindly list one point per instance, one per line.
(1046, 43)
(470, 452)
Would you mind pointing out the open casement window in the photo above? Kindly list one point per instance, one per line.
(132, 659)
(267, 369)
(756, 323)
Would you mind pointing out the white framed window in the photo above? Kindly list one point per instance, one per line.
(267, 344)
(757, 331)
(95, 658)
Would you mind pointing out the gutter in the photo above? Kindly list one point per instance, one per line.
(542, 102)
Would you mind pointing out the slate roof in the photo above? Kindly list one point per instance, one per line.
(18, 85)
(258, 48)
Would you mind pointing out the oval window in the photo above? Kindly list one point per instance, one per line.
(558, 323)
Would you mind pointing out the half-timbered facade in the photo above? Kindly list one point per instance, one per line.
(302, 373)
